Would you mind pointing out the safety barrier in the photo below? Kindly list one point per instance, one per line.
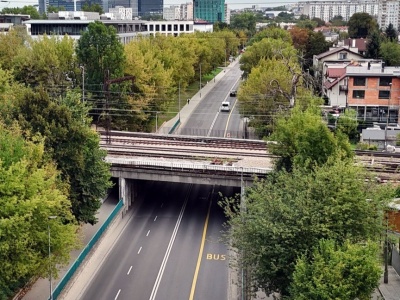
(71, 271)
(178, 121)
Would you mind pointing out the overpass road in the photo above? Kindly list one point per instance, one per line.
(170, 249)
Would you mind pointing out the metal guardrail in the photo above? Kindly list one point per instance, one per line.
(71, 271)
(186, 166)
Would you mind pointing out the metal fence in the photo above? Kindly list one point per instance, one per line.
(71, 271)
(250, 134)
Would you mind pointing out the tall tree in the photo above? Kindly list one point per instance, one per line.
(92, 7)
(373, 45)
(347, 272)
(245, 21)
(391, 33)
(72, 144)
(313, 145)
(30, 192)
(26, 10)
(390, 52)
(361, 25)
(99, 51)
(11, 44)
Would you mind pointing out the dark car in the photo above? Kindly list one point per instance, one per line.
(233, 93)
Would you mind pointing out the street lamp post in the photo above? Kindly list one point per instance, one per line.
(200, 80)
(179, 101)
(388, 115)
(385, 249)
(83, 83)
(156, 121)
(50, 279)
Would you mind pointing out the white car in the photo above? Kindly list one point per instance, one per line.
(225, 106)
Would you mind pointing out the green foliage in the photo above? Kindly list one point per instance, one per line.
(391, 33)
(30, 192)
(390, 52)
(307, 24)
(245, 21)
(313, 145)
(92, 7)
(72, 144)
(347, 123)
(55, 9)
(373, 45)
(319, 21)
(271, 32)
(366, 146)
(316, 45)
(347, 272)
(338, 21)
(287, 214)
(361, 25)
(49, 62)
(10, 45)
(26, 10)
(102, 54)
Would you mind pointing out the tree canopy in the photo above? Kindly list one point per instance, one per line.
(30, 192)
(361, 25)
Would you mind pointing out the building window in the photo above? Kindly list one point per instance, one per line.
(384, 94)
(343, 55)
(385, 81)
(357, 94)
(359, 81)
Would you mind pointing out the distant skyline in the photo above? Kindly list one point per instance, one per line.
(233, 4)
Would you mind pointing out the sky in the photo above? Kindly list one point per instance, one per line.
(233, 4)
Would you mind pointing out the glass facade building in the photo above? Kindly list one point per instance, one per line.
(150, 7)
(209, 10)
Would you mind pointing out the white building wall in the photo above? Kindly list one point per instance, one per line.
(227, 14)
(186, 12)
(171, 13)
(326, 10)
(389, 13)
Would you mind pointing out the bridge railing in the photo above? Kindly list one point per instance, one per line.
(138, 163)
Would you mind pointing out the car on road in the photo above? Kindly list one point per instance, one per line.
(233, 93)
(225, 106)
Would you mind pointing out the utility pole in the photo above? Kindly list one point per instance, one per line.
(388, 115)
(385, 249)
(179, 101)
(83, 83)
(200, 80)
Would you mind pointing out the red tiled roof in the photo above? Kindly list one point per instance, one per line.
(329, 85)
(335, 72)
(360, 44)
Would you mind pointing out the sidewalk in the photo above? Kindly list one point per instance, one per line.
(390, 290)
(41, 288)
(188, 108)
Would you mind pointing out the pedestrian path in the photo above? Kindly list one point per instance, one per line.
(390, 290)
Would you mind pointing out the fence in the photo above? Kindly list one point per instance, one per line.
(71, 271)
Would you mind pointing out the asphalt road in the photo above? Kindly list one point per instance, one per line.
(207, 120)
(171, 248)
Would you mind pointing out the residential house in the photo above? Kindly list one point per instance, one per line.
(340, 54)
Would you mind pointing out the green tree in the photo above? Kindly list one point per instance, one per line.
(391, 33)
(313, 145)
(337, 21)
(101, 52)
(307, 24)
(373, 45)
(245, 21)
(316, 45)
(319, 21)
(26, 10)
(72, 144)
(347, 123)
(271, 32)
(390, 52)
(55, 9)
(10, 45)
(30, 192)
(287, 214)
(361, 25)
(347, 272)
(92, 7)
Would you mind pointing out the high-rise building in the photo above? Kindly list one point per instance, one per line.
(209, 10)
(171, 13)
(327, 10)
(151, 7)
(389, 13)
(187, 11)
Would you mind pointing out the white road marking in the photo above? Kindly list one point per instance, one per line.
(155, 219)
(119, 291)
(129, 270)
(171, 242)
(148, 232)
(140, 249)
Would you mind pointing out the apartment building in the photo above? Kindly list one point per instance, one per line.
(209, 10)
(186, 11)
(389, 13)
(172, 13)
(326, 10)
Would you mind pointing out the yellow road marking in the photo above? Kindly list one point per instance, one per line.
(203, 239)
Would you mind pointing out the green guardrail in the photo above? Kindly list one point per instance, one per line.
(174, 126)
(71, 271)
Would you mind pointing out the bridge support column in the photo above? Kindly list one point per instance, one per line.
(124, 193)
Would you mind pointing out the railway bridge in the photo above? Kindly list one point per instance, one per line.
(183, 159)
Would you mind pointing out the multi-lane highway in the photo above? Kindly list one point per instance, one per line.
(170, 249)
(207, 120)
